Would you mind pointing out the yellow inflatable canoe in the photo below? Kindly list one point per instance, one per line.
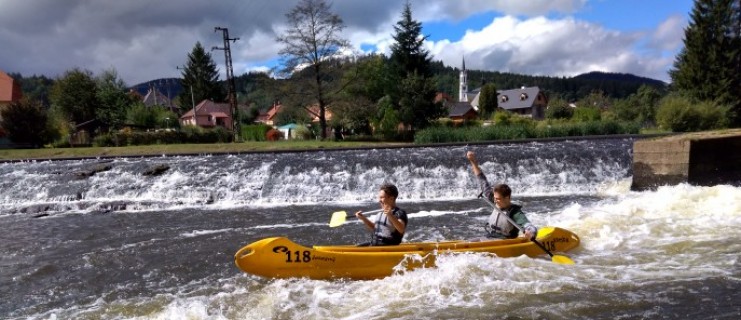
(279, 257)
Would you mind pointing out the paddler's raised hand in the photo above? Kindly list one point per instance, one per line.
(365, 220)
(474, 164)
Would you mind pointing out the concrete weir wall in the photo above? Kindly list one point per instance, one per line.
(702, 158)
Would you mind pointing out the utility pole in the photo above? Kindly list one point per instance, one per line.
(230, 80)
(192, 101)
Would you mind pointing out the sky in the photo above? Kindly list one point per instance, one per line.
(144, 40)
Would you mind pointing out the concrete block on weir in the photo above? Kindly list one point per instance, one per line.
(700, 158)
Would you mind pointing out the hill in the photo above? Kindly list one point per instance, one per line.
(170, 87)
(613, 85)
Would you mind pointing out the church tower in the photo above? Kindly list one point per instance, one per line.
(463, 82)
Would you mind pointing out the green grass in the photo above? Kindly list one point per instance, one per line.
(174, 149)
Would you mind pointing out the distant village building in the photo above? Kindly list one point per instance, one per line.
(458, 111)
(463, 83)
(461, 111)
(10, 91)
(208, 114)
(268, 117)
(314, 113)
(155, 98)
(525, 101)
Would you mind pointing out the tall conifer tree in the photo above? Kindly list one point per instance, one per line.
(410, 62)
(707, 68)
(201, 74)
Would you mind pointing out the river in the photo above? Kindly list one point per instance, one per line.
(81, 243)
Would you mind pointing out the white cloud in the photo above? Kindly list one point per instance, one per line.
(541, 46)
(670, 33)
(456, 10)
(145, 40)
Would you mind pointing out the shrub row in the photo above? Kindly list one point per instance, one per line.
(441, 134)
(185, 135)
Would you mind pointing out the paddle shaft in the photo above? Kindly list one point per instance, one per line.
(515, 224)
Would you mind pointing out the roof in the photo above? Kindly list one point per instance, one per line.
(209, 107)
(517, 98)
(459, 109)
(10, 90)
(313, 111)
(443, 97)
(154, 97)
(288, 126)
(270, 114)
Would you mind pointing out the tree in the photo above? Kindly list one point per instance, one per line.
(709, 66)
(25, 121)
(113, 100)
(312, 39)
(416, 106)
(683, 114)
(558, 109)
(76, 94)
(201, 74)
(640, 106)
(411, 64)
(407, 52)
(488, 100)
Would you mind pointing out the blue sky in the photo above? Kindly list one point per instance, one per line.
(144, 40)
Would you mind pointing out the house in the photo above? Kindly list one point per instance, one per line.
(461, 111)
(526, 101)
(209, 114)
(458, 111)
(313, 111)
(268, 117)
(155, 98)
(10, 90)
(289, 130)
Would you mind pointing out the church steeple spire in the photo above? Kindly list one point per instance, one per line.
(463, 83)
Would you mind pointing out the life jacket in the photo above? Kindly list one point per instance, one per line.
(499, 227)
(385, 233)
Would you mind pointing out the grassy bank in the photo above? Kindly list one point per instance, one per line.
(174, 149)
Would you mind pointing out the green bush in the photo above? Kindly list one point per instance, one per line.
(303, 133)
(559, 111)
(680, 114)
(255, 132)
(586, 114)
(442, 134)
(187, 135)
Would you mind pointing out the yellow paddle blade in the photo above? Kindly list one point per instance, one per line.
(562, 259)
(338, 218)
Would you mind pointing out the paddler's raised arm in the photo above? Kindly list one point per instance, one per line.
(474, 164)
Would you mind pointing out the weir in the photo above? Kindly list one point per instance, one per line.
(700, 158)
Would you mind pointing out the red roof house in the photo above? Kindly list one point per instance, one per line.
(10, 90)
(268, 117)
(208, 114)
